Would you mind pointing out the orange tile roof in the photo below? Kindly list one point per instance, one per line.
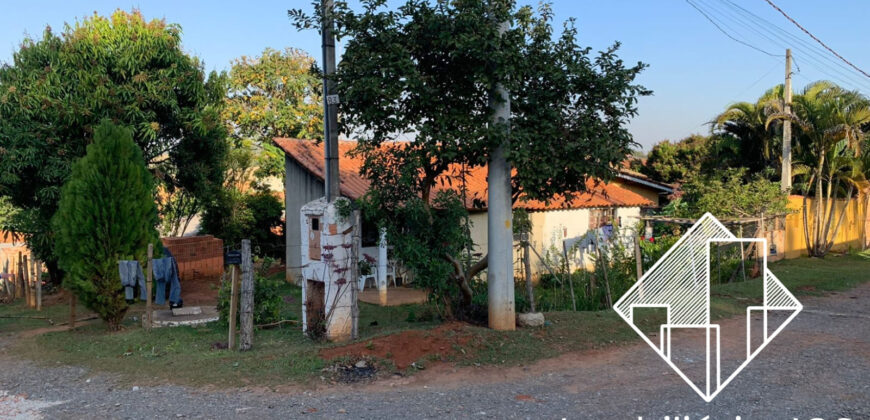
(310, 156)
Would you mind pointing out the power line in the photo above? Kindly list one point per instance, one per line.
(796, 43)
(816, 39)
(817, 57)
(727, 34)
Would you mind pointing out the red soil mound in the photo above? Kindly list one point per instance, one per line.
(406, 347)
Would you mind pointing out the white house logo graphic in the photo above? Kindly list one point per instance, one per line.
(679, 285)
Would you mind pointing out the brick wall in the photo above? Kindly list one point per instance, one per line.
(198, 257)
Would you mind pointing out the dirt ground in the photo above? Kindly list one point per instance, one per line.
(395, 296)
(816, 368)
(406, 347)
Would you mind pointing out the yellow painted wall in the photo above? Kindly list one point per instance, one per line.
(851, 233)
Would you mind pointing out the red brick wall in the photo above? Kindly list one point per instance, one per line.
(198, 257)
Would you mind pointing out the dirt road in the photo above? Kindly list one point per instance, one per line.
(818, 367)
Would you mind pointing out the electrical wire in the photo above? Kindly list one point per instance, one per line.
(734, 14)
(817, 57)
(729, 35)
(817, 39)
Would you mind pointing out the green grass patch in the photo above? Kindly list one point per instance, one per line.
(188, 355)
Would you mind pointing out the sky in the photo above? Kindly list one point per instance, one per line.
(695, 70)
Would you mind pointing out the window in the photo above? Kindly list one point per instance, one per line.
(314, 238)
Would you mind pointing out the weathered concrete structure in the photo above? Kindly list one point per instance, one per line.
(328, 271)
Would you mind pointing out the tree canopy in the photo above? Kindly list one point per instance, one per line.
(425, 71)
(132, 71)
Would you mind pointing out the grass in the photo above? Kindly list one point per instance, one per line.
(16, 317)
(185, 355)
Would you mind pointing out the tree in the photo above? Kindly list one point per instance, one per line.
(756, 144)
(426, 70)
(132, 71)
(678, 162)
(277, 94)
(106, 213)
(830, 140)
(728, 194)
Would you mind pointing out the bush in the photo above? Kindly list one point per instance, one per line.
(106, 213)
(234, 216)
(267, 300)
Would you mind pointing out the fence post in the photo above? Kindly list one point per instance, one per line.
(246, 338)
(149, 278)
(234, 306)
(28, 291)
(38, 272)
(638, 257)
(72, 310)
(19, 279)
(527, 266)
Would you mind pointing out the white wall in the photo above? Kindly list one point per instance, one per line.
(549, 228)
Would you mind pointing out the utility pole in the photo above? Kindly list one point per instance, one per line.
(500, 271)
(786, 127)
(330, 105)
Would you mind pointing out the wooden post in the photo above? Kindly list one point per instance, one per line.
(246, 318)
(28, 291)
(354, 275)
(38, 271)
(638, 257)
(72, 310)
(148, 321)
(234, 306)
(527, 266)
(19, 277)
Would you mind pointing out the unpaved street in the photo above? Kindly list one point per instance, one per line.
(818, 367)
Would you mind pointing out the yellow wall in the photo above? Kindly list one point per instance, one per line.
(851, 233)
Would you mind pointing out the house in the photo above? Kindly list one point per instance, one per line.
(618, 203)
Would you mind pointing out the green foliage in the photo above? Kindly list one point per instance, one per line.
(677, 162)
(652, 249)
(7, 212)
(57, 89)
(234, 216)
(747, 140)
(277, 94)
(730, 195)
(268, 300)
(421, 237)
(106, 213)
(429, 68)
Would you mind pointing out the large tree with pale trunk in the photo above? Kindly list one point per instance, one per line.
(425, 71)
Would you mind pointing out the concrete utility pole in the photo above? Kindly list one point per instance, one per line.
(786, 127)
(500, 270)
(330, 105)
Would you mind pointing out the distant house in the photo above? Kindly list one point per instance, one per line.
(618, 203)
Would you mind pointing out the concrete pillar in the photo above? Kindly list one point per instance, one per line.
(500, 270)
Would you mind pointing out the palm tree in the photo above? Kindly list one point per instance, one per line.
(829, 123)
(745, 123)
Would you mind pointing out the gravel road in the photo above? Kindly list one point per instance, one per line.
(818, 367)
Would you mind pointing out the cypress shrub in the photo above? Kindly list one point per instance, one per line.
(106, 213)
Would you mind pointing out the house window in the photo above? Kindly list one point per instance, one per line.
(601, 217)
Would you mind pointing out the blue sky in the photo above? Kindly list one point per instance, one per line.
(694, 69)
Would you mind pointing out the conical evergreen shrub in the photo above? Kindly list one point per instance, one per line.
(106, 213)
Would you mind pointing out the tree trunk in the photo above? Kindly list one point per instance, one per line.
(527, 265)
(830, 244)
(817, 221)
